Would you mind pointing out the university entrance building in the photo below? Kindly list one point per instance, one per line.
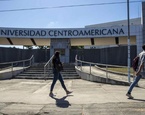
(91, 36)
(63, 39)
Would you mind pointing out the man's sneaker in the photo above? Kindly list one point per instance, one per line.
(129, 96)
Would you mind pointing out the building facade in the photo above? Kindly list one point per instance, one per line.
(97, 35)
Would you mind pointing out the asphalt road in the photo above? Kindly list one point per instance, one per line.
(31, 97)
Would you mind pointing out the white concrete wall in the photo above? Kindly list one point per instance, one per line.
(8, 74)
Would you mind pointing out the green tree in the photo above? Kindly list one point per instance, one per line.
(28, 47)
(77, 47)
(43, 47)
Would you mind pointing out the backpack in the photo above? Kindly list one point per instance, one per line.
(135, 63)
(59, 67)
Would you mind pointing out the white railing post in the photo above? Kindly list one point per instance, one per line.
(30, 62)
(12, 68)
(23, 65)
(33, 59)
(107, 73)
(44, 73)
(81, 65)
(76, 61)
(90, 68)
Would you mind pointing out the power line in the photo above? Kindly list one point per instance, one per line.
(4, 0)
(69, 6)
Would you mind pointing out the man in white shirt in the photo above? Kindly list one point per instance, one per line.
(140, 72)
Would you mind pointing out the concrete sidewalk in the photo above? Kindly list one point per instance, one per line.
(97, 74)
(31, 97)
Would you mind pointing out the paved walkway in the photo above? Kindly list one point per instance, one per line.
(10, 69)
(102, 73)
(31, 97)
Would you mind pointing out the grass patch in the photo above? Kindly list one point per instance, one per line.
(121, 70)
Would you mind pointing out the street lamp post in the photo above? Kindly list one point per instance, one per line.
(128, 40)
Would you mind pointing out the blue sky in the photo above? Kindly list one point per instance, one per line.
(72, 17)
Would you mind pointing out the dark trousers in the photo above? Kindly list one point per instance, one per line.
(57, 76)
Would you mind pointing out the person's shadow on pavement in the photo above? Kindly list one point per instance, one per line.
(62, 103)
(139, 99)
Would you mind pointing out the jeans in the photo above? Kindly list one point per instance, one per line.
(134, 83)
(57, 76)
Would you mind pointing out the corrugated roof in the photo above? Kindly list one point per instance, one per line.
(134, 21)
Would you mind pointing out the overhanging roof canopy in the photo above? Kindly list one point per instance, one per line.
(25, 41)
(73, 42)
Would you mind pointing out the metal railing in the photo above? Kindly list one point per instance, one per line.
(104, 69)
(47, 66)
(23, 64)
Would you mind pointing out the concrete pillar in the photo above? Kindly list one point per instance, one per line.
(139, 39)
(143, 20)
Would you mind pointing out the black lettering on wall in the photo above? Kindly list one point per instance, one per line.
(97, 32)
(60, 33)
(50, 32)
(104, 31)
(109, 32)
(92, 32)
(121, 31)
(4, 32)
(115, 31)
(75, 33)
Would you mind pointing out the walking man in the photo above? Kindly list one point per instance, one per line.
(140, 72)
